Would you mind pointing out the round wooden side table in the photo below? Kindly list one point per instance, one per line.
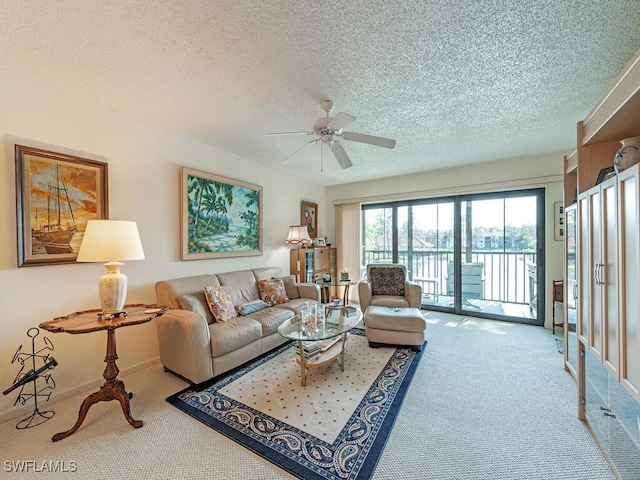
(113, 389)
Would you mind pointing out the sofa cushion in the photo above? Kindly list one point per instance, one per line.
(265, 273)
(242, 286)
(271, 318)
(295, 305)
(250, 307)
(220, 303)
(197, 303)
(233, 334)
(290, 286)
(168, 292)
(272, 291)
(389, 301)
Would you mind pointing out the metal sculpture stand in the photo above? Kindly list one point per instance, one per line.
(32, 376)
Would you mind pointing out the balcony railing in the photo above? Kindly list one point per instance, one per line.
(506, 274)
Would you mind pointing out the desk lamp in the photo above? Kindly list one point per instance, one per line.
(111, 241)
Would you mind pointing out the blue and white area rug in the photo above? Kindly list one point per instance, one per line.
(334, 428)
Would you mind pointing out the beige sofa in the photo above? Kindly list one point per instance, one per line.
(195, 347)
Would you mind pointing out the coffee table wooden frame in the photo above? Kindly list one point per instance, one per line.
(290, 330)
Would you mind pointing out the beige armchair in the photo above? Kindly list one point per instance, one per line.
(386, 285)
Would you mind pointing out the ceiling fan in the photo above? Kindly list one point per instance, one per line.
(329, 129)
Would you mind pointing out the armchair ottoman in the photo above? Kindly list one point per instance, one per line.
(394, 326)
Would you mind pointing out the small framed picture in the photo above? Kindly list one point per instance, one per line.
(558, 233)
(320, 242)
(309, 217)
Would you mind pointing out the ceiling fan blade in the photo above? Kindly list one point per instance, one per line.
(340, 121)
(299, 151)
(341, 155)
(287, 133)
(370, 139)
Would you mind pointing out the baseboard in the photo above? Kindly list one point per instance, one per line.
(92, 385)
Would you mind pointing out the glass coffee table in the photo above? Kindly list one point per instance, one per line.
(324, 345)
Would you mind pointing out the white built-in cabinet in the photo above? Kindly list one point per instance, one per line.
(598, 273)
(606, 361)
(584, 269)
(629, 247)
(608, 275)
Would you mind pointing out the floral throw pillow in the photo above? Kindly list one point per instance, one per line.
(220, 303)
(272, 292)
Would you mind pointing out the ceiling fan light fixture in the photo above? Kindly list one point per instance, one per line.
(328, 128)
(327, 139)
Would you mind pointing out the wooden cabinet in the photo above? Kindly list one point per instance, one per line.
(313, 263)
(321, 263)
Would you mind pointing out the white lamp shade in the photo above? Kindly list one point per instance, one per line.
(298, 234)
(110, 241)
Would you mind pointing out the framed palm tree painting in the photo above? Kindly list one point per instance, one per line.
(221, 217)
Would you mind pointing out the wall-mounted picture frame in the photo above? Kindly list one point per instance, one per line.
(221, 216)
(558, 209)
(56, 195)
(309, 217)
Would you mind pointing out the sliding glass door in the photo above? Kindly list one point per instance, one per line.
(498, 258)
(474, 254)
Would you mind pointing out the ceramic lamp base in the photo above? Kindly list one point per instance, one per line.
(113, 289)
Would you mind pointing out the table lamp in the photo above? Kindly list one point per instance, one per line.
(298, 235)
(111, 241)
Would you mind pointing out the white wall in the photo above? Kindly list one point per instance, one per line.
(512, 174)
(144, 185)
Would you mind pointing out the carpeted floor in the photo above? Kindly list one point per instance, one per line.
(489, 400)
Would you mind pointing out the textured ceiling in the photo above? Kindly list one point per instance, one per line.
(454, 82)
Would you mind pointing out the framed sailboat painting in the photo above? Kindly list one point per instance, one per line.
(57, 194)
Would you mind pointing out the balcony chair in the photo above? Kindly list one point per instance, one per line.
(472, 282)
(391, 307)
